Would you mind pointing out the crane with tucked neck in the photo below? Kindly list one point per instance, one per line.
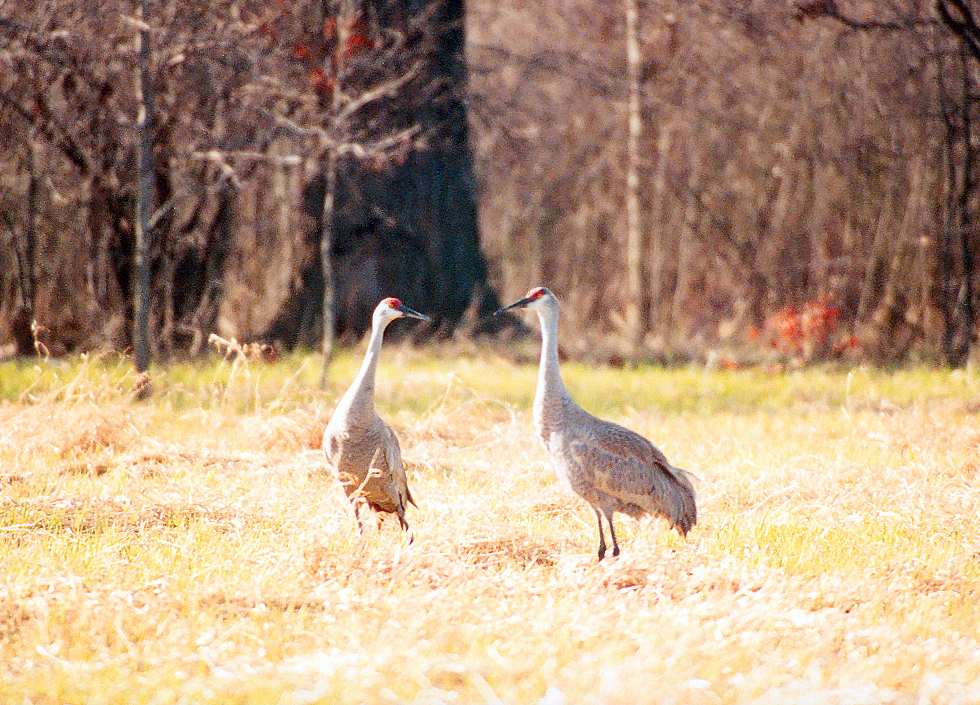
(361, 449)
(610, 467)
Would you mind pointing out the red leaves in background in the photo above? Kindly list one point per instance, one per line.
(849, 342)
(322, 56)
(267, 30)
(806, 332)
(356, 43)
(321, 82)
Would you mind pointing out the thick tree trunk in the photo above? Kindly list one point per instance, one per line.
(965, 205)
(959, 227)
(144, 199)
(410, 231)
(955, 287)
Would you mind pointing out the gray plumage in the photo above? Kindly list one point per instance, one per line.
(611, 467)
(361, 450)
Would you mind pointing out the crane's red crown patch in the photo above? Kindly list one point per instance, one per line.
(392, 302)
(535, 293)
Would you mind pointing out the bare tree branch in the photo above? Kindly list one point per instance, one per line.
(386, 89)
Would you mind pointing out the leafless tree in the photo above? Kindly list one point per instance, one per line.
(145, 127)
(636, 239)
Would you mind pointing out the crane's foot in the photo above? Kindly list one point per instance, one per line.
(612, 532)
(602, 552)
(408, 531)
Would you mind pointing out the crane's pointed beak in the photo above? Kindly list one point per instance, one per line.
(412, 313)
(517, 304)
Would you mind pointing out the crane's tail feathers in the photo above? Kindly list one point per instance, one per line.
(683, 513)
(687, 477)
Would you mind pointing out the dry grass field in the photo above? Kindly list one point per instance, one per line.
(188, 549)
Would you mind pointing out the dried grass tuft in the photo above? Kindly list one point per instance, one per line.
(75, 430)
(298, 430)
(516, 551)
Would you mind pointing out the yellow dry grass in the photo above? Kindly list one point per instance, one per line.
(188, 549)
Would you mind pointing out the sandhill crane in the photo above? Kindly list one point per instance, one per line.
(361, 449)
(611, 467)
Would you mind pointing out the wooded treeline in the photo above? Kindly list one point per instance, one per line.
(798, 160)
(805, 172)
(254, 138)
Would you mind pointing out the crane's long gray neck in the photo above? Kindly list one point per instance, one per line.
(361, 394)
(551, 391)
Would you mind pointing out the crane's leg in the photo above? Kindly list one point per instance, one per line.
(602, 536)
(612, 532)
(357, 517)
(404, 525)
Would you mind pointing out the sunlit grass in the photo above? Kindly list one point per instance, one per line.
(188, 548)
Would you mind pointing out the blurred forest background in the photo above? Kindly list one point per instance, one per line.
(763, 178)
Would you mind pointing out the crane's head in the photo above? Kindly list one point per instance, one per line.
(391, 308)
(539, 299)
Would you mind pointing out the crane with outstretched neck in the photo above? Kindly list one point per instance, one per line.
(611, 467)
(361, 449)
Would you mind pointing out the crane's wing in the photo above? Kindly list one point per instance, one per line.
(653, 487)
(393, 457)
(627, 444)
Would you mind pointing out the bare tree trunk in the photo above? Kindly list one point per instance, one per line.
(894, 332)
(28, 274)
(144, 197)
(326, 245)
(636, 241)
(215, 256)
(964, 202)
(875, 264)
(956, 300)
(345, 16)
(30, 233)
(660, 270)
(23, 320)
(92, 238)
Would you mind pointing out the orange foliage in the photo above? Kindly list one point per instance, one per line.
(321, 82)
(357, 43)
(806, 332)
(267, 30)
(729, 363)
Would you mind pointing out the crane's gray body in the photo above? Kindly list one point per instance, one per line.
(361, 450)
(610, 467)
(365, 457)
